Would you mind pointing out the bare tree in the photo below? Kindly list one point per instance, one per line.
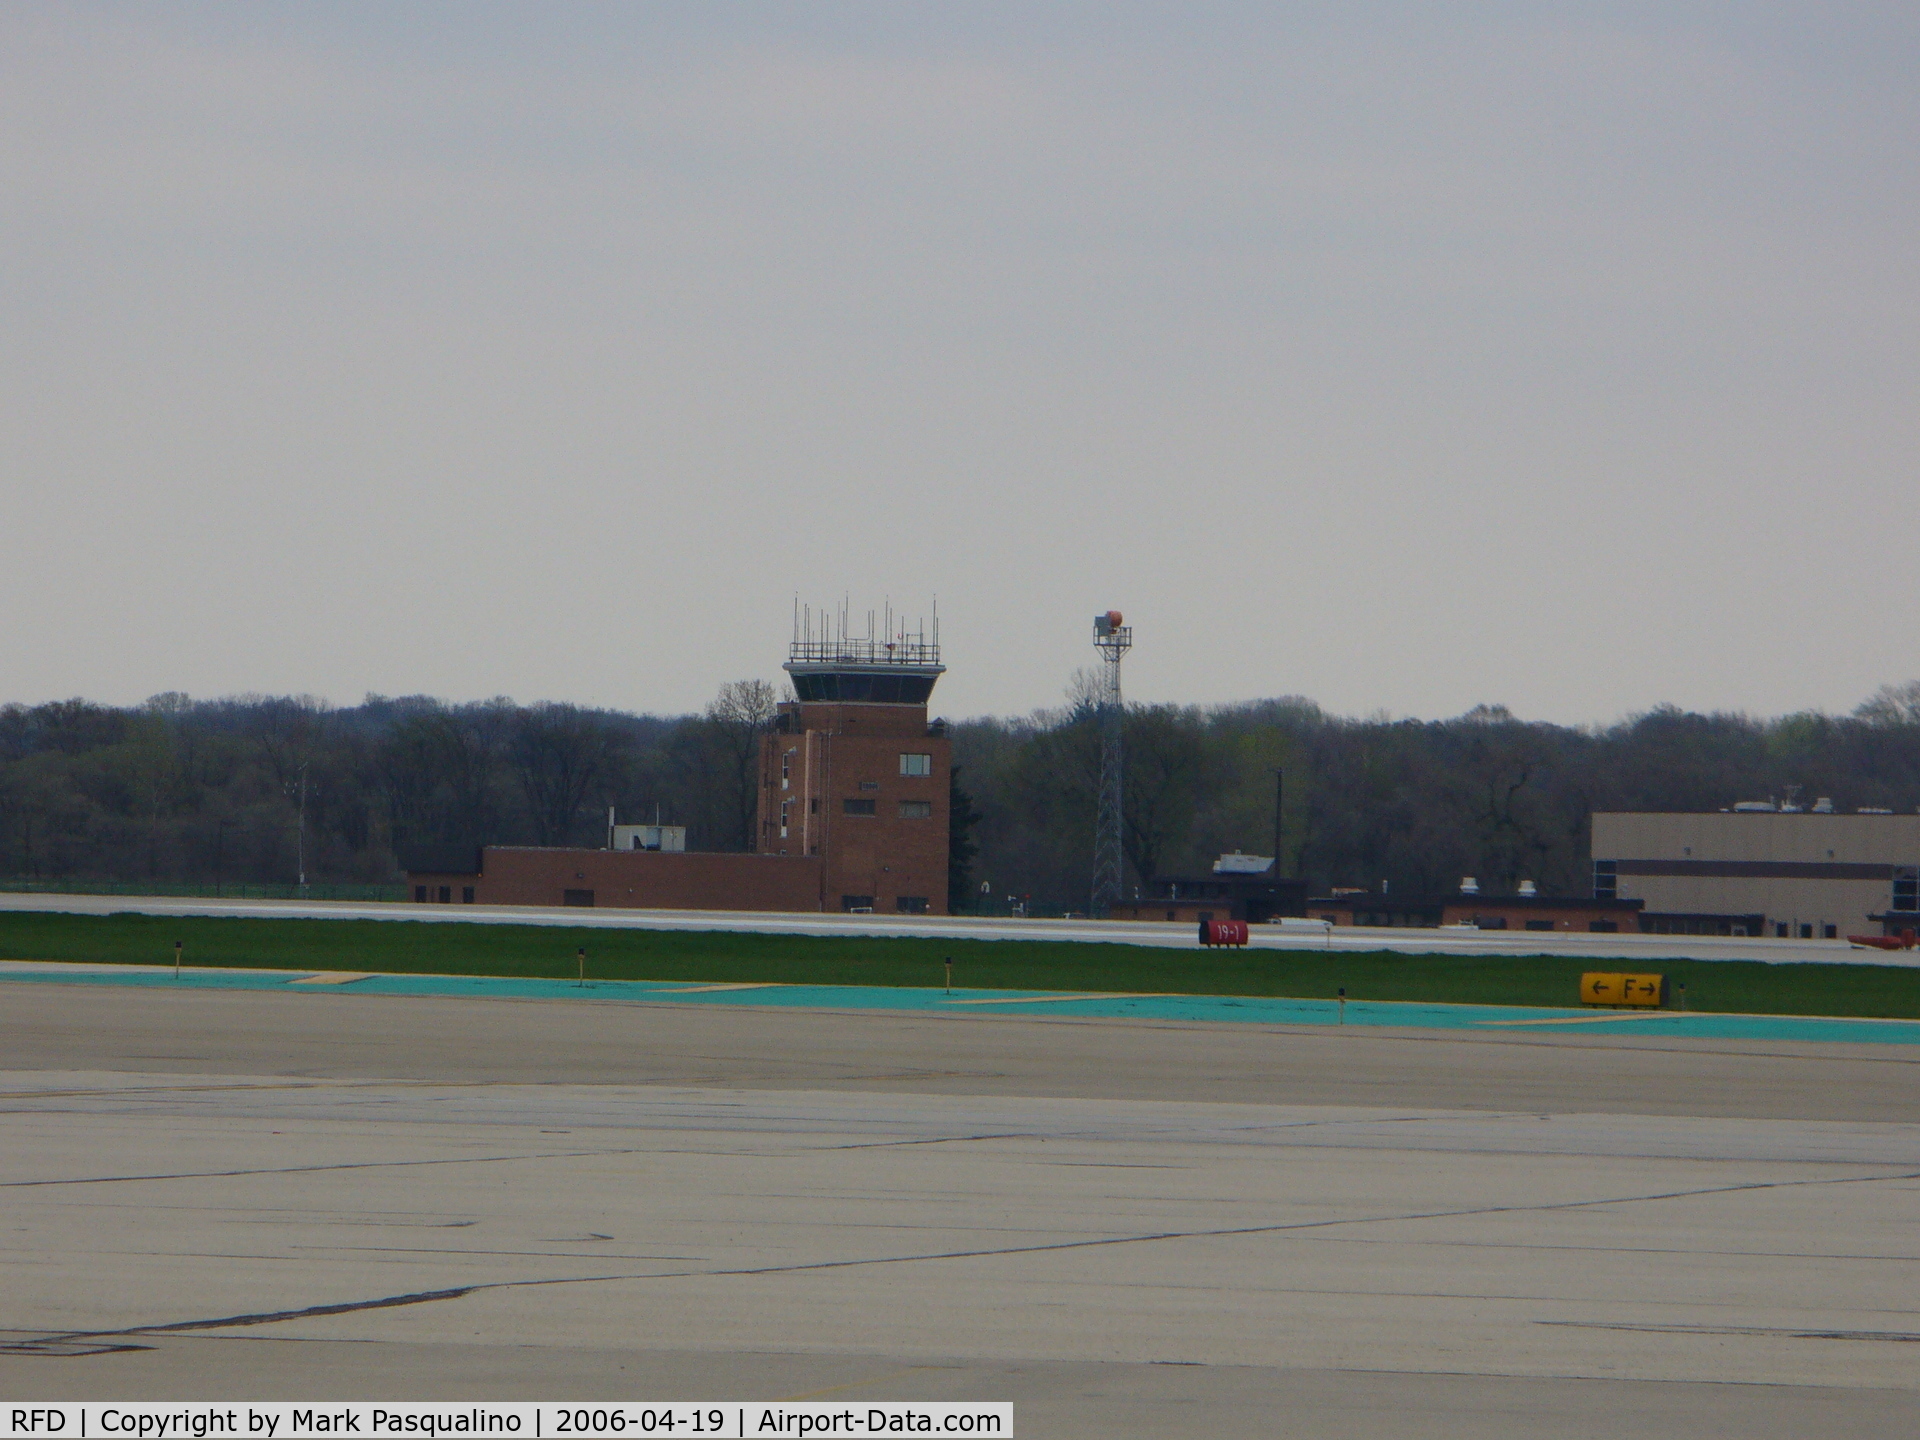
(288, 729)
(558, 751)
(1892, 705)
(291, 733)
(1086, 693)
(736, 719)
(1165, 755)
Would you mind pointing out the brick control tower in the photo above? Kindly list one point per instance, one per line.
(854, 772)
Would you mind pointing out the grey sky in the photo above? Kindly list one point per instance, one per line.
(1404, 357)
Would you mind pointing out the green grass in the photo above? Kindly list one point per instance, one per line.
(443, 948)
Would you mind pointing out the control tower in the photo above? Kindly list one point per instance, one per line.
(898, 668)
(853, 771)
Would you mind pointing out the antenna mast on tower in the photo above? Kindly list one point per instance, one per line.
(1113, 640)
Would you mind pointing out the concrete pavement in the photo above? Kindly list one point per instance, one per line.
(1125, 1229)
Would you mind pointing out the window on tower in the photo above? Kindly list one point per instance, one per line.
(916, 764)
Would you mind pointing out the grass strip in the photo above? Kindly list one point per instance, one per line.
(548, 952)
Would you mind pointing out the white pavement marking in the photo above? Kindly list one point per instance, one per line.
(1628, 948)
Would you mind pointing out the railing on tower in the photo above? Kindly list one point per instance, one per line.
(849, 650)
(826, 637)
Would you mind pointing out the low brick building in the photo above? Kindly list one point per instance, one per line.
(852, 812)
(1483, 912)
(1240, 887)
(629, 879)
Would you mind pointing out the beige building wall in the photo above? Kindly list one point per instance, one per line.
(1796, 870)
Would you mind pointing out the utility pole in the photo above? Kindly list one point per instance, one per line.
(1279, 821)
(301, 844)
(1113, 640)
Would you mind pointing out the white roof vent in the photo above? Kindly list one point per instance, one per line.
(1469, 885)
(1527, 888)
(1752, 807)
(1234, 863)
(1823, 806)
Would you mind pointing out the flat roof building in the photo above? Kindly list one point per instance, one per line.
(1523, 911)
(852, 808)
(1785, 873)
(671, 838)
(1240, 887)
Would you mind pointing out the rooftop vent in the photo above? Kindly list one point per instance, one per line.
(1753, 807)
(1823, 806)
(1234, 863)
(1528, 889)
(1469, 885)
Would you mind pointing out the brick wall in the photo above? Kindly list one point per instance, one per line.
(636, 879)
(832, 786)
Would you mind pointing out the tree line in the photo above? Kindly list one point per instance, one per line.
(277, 789)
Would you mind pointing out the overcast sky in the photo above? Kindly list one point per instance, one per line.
(1403, 357)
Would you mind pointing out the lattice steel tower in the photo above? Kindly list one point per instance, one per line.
(1113, 640)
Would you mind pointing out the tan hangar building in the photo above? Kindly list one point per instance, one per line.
(1761, 871)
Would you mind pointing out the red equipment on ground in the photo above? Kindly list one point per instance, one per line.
(1905, 940)
(1223, 932)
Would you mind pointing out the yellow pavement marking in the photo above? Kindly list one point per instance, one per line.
(1594, 1019)
(704, 989)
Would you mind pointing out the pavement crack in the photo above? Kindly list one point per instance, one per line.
(91, 1338)
(1785, 1332)
(932, 1140)
(78, 1342)
(1300, 1225)
(313, 1169)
